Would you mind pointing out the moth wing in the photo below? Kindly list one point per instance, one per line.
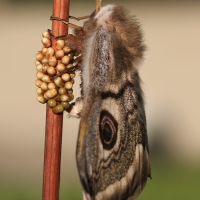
(112, 148)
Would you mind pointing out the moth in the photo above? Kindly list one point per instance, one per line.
(112, 148)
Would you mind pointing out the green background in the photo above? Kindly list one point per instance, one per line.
(170, 74)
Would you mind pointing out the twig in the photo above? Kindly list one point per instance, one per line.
(53, 135)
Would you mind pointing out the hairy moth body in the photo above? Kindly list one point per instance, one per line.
(112, 148)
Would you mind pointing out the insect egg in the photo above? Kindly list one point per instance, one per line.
(51, 71)
(45, 68)
(39, 67)
(55, 91)
(39, 56)
(44, 86)
(52, 86)
(44, 50)
(68, 85)
(66, 49)
(50, 93)
(46, 78)
(61, 67)
(65, 97)
(59, 54)
(37, 62)
(65, 77)
(46, 42)
(65, 104)
(44, 60)
(51, 103)
(70, 91)
(50, 52)
(40, 91)
(40, 75)
(52, 61)
(46, 34)
(38, 82)
(59, 82)
(72, 74)
(71, 97)
(57, 98)
(41, 99)
(62, 90)
(60, 44)
(58, 109)
(65, 60)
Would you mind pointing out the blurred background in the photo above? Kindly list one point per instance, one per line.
(170, 74)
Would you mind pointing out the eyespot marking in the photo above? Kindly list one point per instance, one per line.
(108, 128)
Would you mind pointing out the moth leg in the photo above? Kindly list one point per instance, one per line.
(77, 62)
(72, 41)
(78, 31)
(56, 37)
(65, 22)
(79, 18)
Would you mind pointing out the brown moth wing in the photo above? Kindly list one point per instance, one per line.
(112, 147)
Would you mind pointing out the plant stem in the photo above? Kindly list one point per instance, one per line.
(54, 122)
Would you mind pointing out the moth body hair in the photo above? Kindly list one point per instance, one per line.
(112, 49)
(76, 108)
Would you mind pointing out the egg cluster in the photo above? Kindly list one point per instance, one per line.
(55, 74)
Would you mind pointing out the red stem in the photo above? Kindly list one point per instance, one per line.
(53, 133)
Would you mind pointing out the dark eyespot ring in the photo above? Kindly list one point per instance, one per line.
(108, 130)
